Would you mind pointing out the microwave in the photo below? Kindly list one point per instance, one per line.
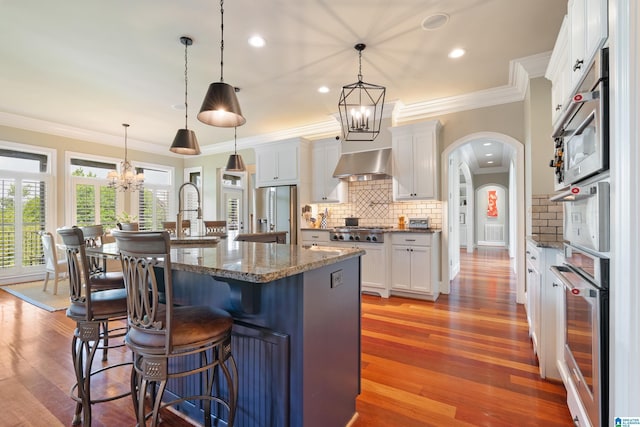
(582, 136)
(586, 215)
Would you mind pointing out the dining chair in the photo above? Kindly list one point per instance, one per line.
(170, 226)
(170, 341)
(128, 226)
(215, 228)
(92, 310)
(53, 266)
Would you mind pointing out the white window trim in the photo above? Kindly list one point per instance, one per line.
(70, 195)
(171, 187)
(50, 215)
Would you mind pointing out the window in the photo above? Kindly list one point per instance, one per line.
(155, 202)
(27, 207)
(234, 199)
(94, 202)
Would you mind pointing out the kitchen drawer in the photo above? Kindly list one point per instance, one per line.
(415, 239)
(317, 236)
(533, 256)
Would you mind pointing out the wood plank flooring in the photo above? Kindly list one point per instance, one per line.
(465, 360)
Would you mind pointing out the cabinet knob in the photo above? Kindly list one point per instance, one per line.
(578, 65)
(529, 270)
(533, 258)
(558, 107)
(555, 285)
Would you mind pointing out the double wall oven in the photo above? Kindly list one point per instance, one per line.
(582, 171)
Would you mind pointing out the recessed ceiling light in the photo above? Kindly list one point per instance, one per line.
(256, 41)
(323, 89)
(490, 162)
(435, 21)
(486, 144)
(488, 155)
(456, 53)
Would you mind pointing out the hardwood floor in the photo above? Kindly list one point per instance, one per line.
(465, 360)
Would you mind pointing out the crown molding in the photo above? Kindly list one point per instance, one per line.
(520, 72)
(66, 131)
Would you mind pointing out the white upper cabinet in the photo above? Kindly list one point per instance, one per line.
(415, 161)
(282, 163)
(324, 158)
(588, 29)
(559, 73)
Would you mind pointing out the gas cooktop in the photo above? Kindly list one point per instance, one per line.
(371, 234)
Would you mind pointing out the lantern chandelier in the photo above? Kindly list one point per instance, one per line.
(127, 179)
(360, 107)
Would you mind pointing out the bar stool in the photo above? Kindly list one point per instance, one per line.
(91, 310)
(161, 336)
(101, 279)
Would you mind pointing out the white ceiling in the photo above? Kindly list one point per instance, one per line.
(87, 66)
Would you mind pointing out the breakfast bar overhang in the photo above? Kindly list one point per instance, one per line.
(296, 334)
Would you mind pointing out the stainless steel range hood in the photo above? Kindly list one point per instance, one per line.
(364, 165)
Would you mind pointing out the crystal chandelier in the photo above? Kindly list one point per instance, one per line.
(361, 107)
(127, 179)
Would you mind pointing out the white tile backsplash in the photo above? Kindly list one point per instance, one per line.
(372, 202)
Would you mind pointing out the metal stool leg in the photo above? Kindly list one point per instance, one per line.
(85, 334)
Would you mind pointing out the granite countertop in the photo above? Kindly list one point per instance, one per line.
(413, 230)
(388, 230)
(263, 233)
(554, 244)
(194, 240)
(249, 261)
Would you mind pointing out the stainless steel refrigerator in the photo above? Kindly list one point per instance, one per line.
(275, 209)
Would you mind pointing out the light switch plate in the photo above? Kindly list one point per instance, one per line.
(336, 279)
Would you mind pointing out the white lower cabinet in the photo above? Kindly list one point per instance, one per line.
(314, 237)
(373, 266)
(415, 265)
(543, 296)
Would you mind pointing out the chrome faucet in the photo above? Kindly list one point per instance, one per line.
(179, 230)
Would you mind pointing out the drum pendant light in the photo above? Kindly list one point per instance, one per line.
(220, 106)
(235, 162)
(185, 141)
(360, 107)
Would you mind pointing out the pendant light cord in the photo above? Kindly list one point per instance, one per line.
(125, 142)
(221, 39)
(359, 65)
(235, 141)
(186, 82)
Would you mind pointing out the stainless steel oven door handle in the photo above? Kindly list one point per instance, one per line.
(557, 271)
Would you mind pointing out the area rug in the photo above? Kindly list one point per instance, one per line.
(33, 294)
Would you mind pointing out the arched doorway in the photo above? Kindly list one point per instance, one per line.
(450, 172)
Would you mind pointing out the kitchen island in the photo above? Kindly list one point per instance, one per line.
(296, 334)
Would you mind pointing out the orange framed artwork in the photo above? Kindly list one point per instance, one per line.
(492, 204)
